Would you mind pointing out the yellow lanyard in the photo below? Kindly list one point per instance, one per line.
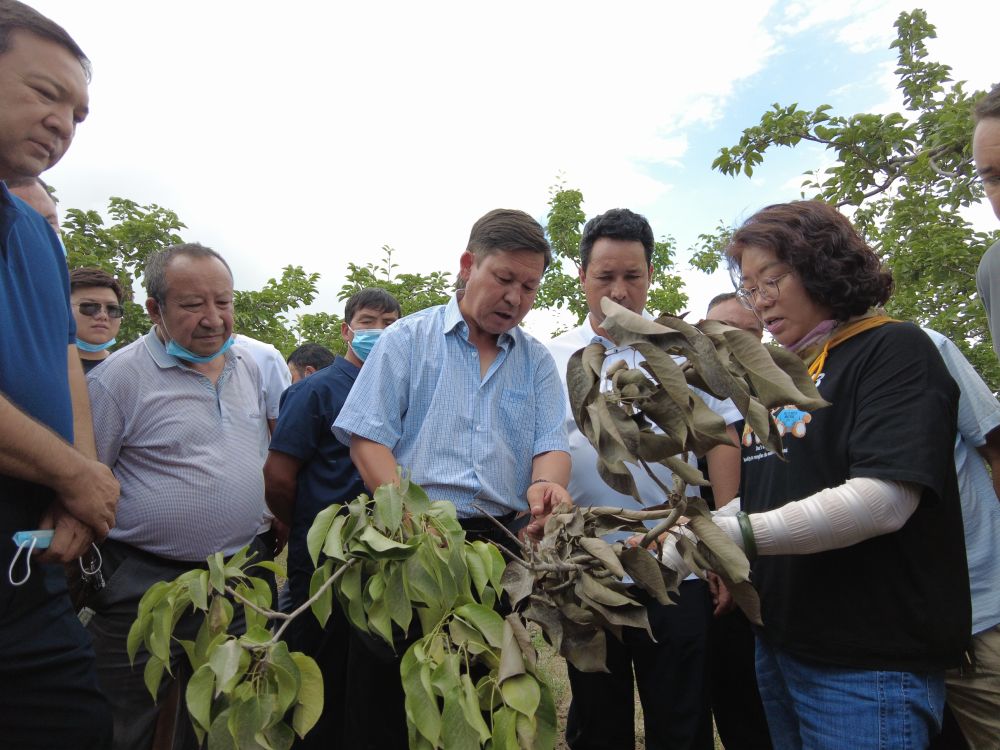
(844, 333)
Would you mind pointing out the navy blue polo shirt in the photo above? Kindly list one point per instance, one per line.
(36, 326)
(306, 413)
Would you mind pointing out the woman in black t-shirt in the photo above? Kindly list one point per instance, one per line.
(861, 567)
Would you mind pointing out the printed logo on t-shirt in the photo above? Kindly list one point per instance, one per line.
(792, 419)
(788, 419)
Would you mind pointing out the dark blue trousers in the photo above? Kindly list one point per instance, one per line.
(49, 698)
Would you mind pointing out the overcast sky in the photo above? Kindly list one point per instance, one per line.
(314, 133)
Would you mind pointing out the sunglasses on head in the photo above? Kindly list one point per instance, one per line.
(93, 309)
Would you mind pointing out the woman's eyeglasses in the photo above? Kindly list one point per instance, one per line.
(93, 309)
(768, 289)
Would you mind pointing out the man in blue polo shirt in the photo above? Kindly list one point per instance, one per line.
(308, 469)
(49, 477)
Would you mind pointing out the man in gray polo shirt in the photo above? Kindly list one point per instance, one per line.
(180, 419)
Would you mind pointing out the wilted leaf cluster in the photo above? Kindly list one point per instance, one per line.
(574, 585)
(617, 410)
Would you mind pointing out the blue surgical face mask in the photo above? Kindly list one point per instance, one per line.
(88, 347)
(176, 350)
(363, 341)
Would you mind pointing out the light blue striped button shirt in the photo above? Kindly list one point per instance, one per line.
(189, 454)
(978, 416)
(464, 438)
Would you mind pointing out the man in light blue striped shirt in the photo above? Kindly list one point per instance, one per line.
(460, 396)
(472, 407)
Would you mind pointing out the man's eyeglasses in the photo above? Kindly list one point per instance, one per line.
(93, 309)
(768, 289)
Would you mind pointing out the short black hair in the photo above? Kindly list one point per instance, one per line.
(618, 224)
(316, 356)
(80, 278)
(719, 299)
(374, 299)
(16, 16)
(988, 106)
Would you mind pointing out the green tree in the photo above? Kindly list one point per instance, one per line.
(560, 287)
(415, 291)
(905, 176)
(123, 246)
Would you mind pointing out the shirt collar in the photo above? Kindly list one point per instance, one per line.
(453, 319)
(165, 361)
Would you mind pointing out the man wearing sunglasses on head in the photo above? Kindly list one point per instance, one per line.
(96, 298)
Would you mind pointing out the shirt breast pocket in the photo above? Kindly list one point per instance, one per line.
(517, 415)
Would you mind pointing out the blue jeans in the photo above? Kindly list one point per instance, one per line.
(813, 706)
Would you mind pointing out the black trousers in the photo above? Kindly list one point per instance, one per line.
(129, 573)
(671, 675)
(328, 646)
(49, 698)
(739, 714)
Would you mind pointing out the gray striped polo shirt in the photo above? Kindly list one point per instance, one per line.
(189, 454)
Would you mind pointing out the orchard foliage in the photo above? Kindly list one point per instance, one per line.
(903, 177)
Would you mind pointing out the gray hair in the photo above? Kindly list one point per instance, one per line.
(157, 264)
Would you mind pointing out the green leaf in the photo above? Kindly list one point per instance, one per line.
(382, 547)
(152, 674)
(477, 568)
(420, 703)
(505, 730)
(136, 634)
(469, 700)
(397, 603)
(198, 588)
(323, 605)
(521, 692)
(334, 544)
(277, 568)
(316, 536)
(198, 696)
(225, 662)
(219, 737)
(159, 633)
(456, 731)
(485, 620)
(309, 706)
(388, 507)
(216, 572)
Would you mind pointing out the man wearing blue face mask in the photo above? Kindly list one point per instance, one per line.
(179, 417)
(308, 469)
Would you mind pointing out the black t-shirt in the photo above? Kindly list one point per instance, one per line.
(90, 364)
(899, 601)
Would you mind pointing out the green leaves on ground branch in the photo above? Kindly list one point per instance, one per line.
(419, 589)
(246, 690)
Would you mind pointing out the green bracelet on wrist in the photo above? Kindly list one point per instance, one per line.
(746, 532)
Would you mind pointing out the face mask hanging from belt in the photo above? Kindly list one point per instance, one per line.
(32, 540)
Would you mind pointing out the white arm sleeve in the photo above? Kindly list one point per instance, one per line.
(859, 509)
